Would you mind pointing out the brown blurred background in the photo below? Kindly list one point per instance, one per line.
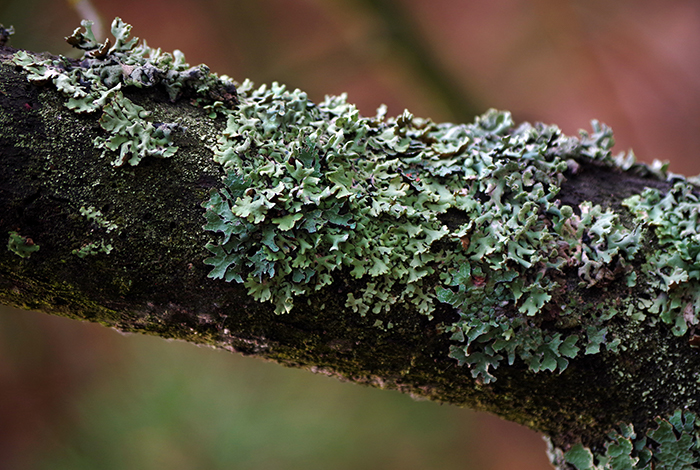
(79, 396)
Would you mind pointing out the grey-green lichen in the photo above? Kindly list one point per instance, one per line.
(397, 206)
(95, 85)
(314, 189)
(673, 270)
(21, 246)
(673, 444)
(93, 248)
(5, 34)
(96, 217)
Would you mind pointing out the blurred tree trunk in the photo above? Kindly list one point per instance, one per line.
(149, 277)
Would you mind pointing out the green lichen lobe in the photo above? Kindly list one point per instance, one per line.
(95, 247)
(95, 84)
(21, 246)
(673, 444)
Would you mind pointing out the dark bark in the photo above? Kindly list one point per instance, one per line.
(154, 280)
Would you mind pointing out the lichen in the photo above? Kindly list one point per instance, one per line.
(93, 248)
(5, 34)
(95, 84)
(407, 212)
(673, 444)
(95, 216)
(314, 189)
(673, 270)
(21, 246)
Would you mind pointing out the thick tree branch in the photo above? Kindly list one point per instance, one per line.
(508, 269)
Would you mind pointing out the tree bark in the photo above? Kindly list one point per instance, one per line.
(125, 247)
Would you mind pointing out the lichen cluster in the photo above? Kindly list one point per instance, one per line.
(317, 193)
(673, 444)
(95, 84)
(314, 189)
(674, 268)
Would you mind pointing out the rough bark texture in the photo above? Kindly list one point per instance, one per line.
(154, 279)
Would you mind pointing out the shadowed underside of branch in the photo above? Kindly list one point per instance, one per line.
(501, 267)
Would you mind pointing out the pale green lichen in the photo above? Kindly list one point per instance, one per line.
(96, 82)
(673, 444)
(93, 248)
(21, 246)
(315, 189)
(397, 206)
(673, 270)
(95, 216)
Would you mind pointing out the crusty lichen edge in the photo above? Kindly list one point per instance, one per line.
(317, 188)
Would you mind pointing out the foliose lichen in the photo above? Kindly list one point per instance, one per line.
(314, 189)
(673, 444)
(673, 270)
(402, 204)
(95, 84)
(95, 216)
(92, 248)
(397, 206)
(21, 246)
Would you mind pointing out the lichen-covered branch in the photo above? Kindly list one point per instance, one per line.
(504, 267)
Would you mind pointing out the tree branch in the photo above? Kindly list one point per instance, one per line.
(505, 268)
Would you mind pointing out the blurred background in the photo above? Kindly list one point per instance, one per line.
(79, 396)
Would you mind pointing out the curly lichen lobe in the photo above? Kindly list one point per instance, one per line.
(673, 444)
(95, 84)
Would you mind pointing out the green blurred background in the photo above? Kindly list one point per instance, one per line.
(79, 396)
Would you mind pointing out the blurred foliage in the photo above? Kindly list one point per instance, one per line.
(79, 396)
